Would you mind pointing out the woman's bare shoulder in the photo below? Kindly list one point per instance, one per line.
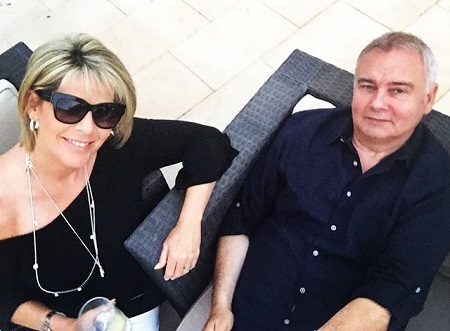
(11, 168)
(12, 181)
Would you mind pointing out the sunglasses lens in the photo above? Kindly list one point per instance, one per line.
(107, 116)
(69, 111)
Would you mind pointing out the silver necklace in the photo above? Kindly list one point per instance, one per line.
(29, 169)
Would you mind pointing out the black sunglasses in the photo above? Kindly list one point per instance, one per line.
(70, 109)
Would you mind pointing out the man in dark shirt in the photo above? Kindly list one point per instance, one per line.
(344, 221)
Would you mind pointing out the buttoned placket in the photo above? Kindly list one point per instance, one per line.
(302, 291)
(315, 252)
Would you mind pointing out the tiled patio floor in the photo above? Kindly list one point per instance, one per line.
(201, 60)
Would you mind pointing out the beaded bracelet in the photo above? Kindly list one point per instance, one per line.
(48, 317)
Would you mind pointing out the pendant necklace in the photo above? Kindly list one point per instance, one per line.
(29, 169)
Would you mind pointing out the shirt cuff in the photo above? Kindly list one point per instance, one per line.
(403, 303)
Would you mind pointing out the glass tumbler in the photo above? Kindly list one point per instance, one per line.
(100, 314)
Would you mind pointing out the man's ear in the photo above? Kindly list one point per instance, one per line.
(430, 98)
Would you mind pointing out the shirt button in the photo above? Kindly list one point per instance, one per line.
(302, 290)
(418, 290)
(286, 321)
(349, 194)
(238, 204)
(315, 252)
(333, 227)
(355, 163)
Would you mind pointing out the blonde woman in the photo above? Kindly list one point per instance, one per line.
(70, 189)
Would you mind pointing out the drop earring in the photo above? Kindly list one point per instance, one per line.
(34, 125)
(112, 133)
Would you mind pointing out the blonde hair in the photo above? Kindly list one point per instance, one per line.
(86, 57)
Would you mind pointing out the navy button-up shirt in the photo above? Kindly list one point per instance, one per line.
(323, 233)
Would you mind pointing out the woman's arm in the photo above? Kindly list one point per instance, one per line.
(31, 314)
(182, 247)
(204, 151)
(205, 154)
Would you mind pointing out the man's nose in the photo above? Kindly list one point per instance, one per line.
(379, 100)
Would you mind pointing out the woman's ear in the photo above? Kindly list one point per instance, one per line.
(31, 104)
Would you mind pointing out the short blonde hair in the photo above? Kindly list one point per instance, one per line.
(83, 55)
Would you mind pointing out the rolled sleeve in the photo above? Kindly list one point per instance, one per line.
(204, 151)
(206, 160)
(401, 279)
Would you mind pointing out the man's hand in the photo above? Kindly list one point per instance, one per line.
(231, 253)
(359, 314)
(220, 319)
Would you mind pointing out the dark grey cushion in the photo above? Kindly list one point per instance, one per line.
(13, 63)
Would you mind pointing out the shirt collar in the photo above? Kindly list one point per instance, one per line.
(343, 133)
(411, 146)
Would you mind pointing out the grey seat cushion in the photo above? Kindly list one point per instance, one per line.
(198, 314)
(9, 122)
(436, 312)
(12, 69)
(445, 269)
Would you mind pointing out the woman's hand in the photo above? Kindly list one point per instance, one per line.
(180, 250)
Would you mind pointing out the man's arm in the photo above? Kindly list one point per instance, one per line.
(231, 253)
(359, 314)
